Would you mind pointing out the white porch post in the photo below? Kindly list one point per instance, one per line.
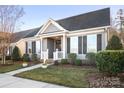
(41, 48)
(64, 45)
(47, 54)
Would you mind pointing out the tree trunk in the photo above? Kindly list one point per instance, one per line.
(4, 59)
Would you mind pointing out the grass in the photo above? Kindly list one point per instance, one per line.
(71, 76)
(9, 67)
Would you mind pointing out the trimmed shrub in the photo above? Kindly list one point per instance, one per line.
(56, 62)
(110, 61)
(26, 58)
(72, 58)
(78, 62)
(114, 43)
(34, 58)
(16, 54)
(64, 61)
(91, 58)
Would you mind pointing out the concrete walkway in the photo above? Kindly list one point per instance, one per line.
(24, 69)
(8, 81)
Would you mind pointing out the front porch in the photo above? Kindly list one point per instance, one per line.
(53, 47)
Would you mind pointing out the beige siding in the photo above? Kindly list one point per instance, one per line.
(21, 45)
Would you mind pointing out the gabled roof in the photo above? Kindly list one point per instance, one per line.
(25, 34)
(83, 21)
(88, 20)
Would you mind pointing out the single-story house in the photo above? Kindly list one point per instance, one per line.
(55, 39)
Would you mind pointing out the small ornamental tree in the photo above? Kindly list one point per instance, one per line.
(16, 54)
(114, 43)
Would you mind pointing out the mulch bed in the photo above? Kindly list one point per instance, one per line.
(97, 80)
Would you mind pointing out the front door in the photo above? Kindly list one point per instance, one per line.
(50, 46)
(58, 45)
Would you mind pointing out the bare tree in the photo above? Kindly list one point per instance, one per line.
(119, 20)
(9, 16)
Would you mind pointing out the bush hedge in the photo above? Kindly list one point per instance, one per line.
(56, 62)
(91, 58)
(78, 62)
(64, 61)
(34, 58)
(110, 61)
(72, 58)
(26, 58)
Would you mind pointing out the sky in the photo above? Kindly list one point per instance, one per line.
(36, 15)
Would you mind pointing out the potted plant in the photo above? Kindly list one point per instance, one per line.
(24, 64)
(44, 65)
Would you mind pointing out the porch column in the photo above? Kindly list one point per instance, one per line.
(41, 41)
(64, 41)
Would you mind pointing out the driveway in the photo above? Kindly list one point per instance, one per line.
(8, 81)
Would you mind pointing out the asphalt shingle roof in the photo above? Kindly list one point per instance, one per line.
(24, 34)
(83, 21)
(88, 20)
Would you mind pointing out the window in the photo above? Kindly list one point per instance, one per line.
(33, 47)
(29, 47)
(74, 45)
(92, 43)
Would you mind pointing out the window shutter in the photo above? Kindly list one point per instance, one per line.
(68, 45)
(99, 42)
(33, 47)
(80, 45)
(84, 44)
(26, 50)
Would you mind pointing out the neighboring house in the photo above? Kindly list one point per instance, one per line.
(79, 34)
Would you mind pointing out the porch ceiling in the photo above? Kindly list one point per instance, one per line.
(55, 37)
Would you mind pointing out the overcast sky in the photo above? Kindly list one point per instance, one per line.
(36, 15)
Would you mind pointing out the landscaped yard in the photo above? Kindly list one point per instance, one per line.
(66, 75)
(10, 67)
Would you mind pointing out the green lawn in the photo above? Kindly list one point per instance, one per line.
(7, 68)
(71, 76)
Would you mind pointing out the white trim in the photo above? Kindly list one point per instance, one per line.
(46, 25)
(51, 34)
(31, 39)
(64, 48)
(89, 29)
(68, 33)
(80, 33)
